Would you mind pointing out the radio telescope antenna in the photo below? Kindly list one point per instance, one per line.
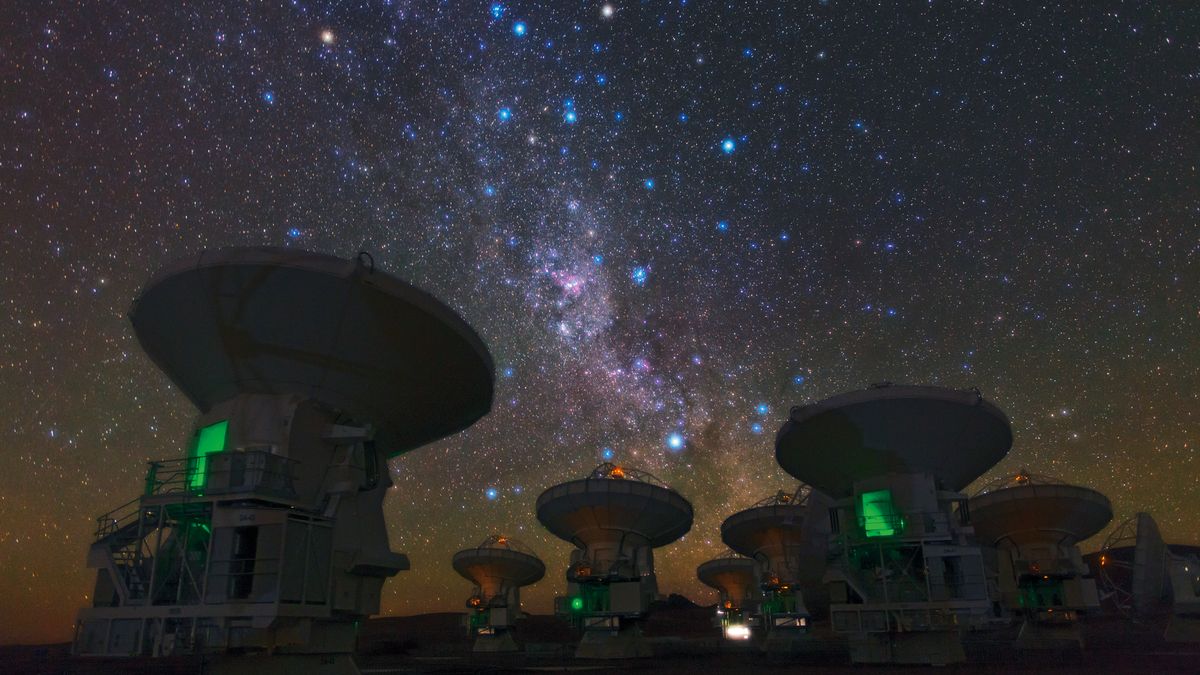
(615, 517)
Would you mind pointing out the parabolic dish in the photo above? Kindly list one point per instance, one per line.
(1064, 514)
(495, 566)
(954, 435)
(1151, 559)
(597, 509)
(780, 533)
(282, 321)
(733, 576)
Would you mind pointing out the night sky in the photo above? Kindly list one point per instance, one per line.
(670, 222)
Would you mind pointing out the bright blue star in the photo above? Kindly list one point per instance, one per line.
(648, 183)
(489, 191)
(508, 372)
(889, 246)
(683, 117)
(598, 259)
(607, 454)
(747, 52)
(294, 233)
(723, 225)
(756, 428)
(268, 97)
(517, 489)
(569, 104)
(519, 29)
(675, 441)
(798, 380)
(639, 275)
(491, 493)
(570, 117)
(728, 146)
(601, 79)
(762, 408)
(618, 116)
(497, 10)
(504, 114)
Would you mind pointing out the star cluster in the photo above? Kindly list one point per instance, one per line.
(670, 221)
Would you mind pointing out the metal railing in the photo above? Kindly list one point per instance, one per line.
(254, 471)
(258, 471)
(125, 514)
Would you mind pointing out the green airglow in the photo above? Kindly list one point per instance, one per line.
(877, 514)
(209, 439)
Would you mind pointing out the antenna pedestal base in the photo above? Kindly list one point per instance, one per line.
(1055, 637)
(492, 644)
(782, 641)
(933, 648)
(626, 642)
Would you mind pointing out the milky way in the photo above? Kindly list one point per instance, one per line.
(670, 221)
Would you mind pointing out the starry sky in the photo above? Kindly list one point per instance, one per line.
(669, 220)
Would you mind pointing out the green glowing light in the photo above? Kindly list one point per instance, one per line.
(576, 604)
(209, 439)
(877, 514)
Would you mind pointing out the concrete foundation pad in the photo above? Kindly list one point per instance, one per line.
(1183, 629)
(284, 664)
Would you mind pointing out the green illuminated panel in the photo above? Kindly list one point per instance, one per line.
(1041, 594)
(209, 439)
(577, 603)
(877, 514)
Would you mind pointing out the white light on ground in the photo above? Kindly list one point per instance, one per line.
(737, 632)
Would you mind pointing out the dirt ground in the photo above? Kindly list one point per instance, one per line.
(684, 642)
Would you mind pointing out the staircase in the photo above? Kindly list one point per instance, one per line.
(119, 548)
